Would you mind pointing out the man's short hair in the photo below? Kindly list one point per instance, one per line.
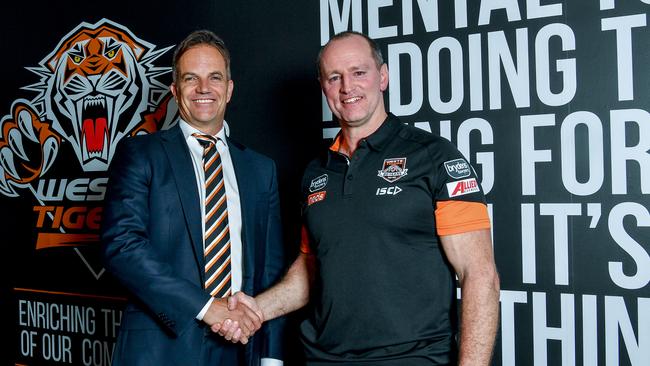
(374, 47)
(198, 38)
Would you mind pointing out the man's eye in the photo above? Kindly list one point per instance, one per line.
(334, 78)
(359, 73)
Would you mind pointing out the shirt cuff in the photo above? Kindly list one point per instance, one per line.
(201, 314)
(271, 362)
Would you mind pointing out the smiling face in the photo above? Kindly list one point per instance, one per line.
(203, 88)
(353, 83)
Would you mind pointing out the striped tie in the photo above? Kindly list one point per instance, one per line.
(217, 236)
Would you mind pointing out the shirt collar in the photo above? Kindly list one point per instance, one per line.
(378, 139)
(188, 130)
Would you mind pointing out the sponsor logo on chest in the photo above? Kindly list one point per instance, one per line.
(462, 187)
(316, 197)
(388, 191)
(318, 183)
(393, 169)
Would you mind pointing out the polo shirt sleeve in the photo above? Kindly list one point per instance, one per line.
(456, 217)
(458, 197)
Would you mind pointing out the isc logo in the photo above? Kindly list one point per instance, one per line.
(390, 191)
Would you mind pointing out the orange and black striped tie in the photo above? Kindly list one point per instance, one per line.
(217, 235)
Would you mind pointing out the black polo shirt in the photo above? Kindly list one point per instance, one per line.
(384, 291)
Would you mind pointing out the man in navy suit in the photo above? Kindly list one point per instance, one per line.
(152, 233)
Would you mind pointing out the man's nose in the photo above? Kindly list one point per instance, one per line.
(203, 86)
(346, 85)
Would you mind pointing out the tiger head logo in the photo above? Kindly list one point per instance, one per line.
(96, 87)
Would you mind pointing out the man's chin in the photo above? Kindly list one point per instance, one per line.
(352, 120)
(206, 119)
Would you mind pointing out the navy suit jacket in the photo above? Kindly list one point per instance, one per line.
(152, 243)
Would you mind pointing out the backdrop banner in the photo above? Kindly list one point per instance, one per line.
(548, 100)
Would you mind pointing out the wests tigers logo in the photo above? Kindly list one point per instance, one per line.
(96, 87)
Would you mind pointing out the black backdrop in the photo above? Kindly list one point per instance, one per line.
(563, 154)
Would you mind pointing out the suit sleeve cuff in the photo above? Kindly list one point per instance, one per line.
(201, 314)
(271, 362)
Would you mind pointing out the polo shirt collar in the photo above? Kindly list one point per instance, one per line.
(384, 134)
(378, 139)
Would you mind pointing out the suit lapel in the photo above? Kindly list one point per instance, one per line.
(181, 163)
(245, 176)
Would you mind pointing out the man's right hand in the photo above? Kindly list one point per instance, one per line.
(229, 329)
(241, 322)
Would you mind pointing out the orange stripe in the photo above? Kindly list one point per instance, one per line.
(50, 240)
(223, 233)
(223, 217)
(221, 201)
(207, 284)
(217, 189)
(214, 277)
(70, 294)
(213, 228)
(209, 163)
(216, 225)
(218, 256)
(226, 249)
(227, 281)
(209, 249)
(225, 265)
(456, 217)
(213, 210)
(210, 264)
(228, 293)
(214, 176)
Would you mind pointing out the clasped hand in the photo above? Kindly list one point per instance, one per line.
(237, 318)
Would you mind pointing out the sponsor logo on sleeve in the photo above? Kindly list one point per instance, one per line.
(318, 183)
(463, 187)
(457, 168)
(316, 197)
(393, 169)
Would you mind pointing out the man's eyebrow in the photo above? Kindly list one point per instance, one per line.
(360, 67)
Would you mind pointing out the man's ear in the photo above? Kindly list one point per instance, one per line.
(231, 86)
(383, 74)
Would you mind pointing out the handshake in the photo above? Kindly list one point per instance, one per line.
(236, 317)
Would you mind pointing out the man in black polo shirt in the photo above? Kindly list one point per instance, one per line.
(391, 214)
